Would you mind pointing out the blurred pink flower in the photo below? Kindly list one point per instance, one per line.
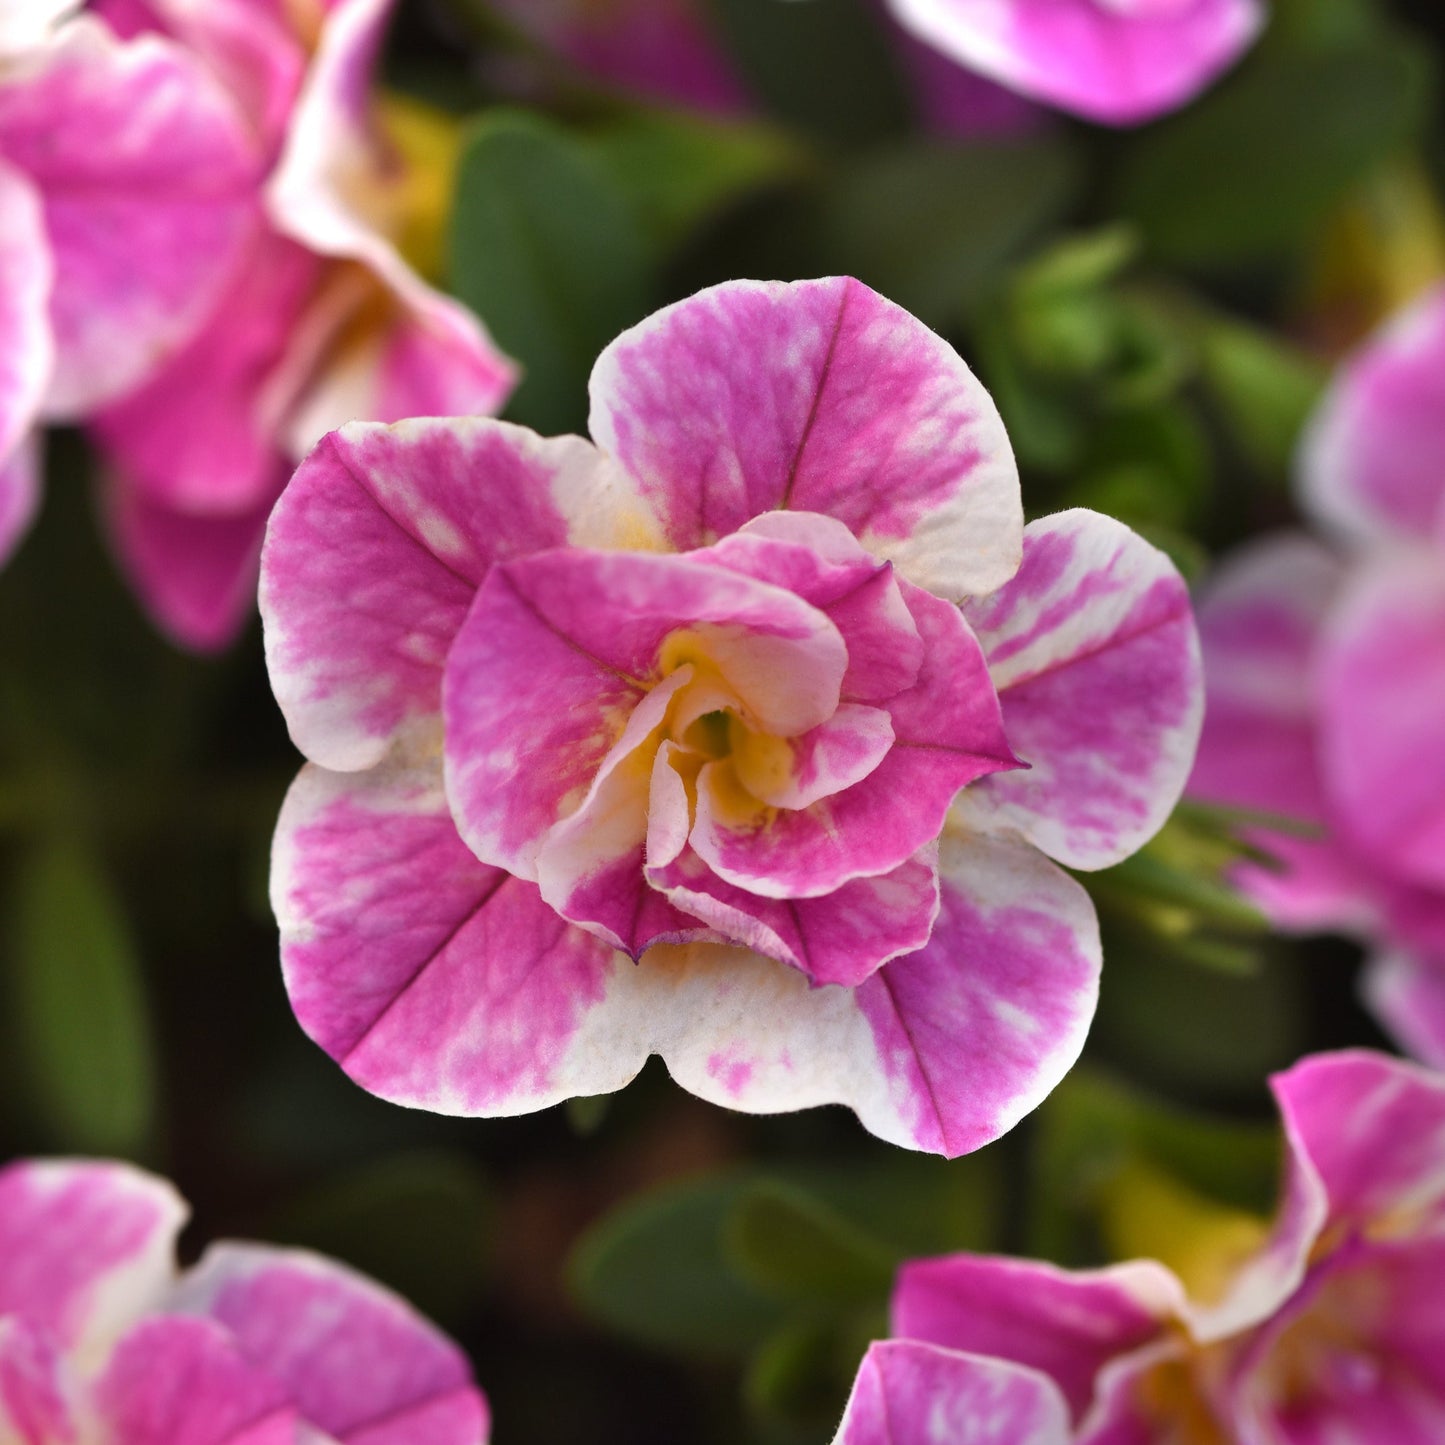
(321, 321)
(1119, 62)
(1332, 1331)
(646, 746)
(124, 174)
(1326, 678)
(100, 1339)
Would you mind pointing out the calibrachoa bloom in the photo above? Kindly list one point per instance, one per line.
(123, 182)
(1326, 667)
(101, 1340)
(321, 321)
(646, 746)
(1331, 1334)
(1116, 61)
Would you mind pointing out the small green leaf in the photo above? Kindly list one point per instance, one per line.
(79, 1008)
(545, 246)
(657, 1271)
(790, 1244)
(1252, 168)
(680, 170)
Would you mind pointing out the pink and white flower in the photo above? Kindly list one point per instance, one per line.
(1119, 62)
(1326, 676)
(322, 319)
(101, 1339)
(1332, 1331)
(652, 745)
(123, 181)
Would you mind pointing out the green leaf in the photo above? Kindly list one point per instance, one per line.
(420, 1222)
(657, 1271)
(933, 225)
(680, 170)
(79, 1008)
(545, 246)
(1264, 388)
(790, 1244)
(1251, 170)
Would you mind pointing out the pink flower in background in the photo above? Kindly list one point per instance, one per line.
(100, 1339)
(1326, 676)
(1332, 1331)
(123, 181)
(652, 745)
(322, 320)
(1119, 62)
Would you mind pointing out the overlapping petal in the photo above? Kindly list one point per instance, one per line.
(376, 550)
(174, 177)
(1067, 1325)
(820, 396)
(1115, 61)
(84, 1248)
(1369, 461)
(35, 1396)
(352, 1358)
(1407, 994)
(917, 1394)
(1093, 650)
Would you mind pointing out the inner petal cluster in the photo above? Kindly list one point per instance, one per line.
(755, 742)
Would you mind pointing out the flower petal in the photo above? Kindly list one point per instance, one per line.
(195, 574)
(1107, 60)
(434, 980)
(331, 191)
(132, 139)
(1407, 994)
(84, 1248)
(1067, 1324)
(19, 493)
(1008, 983)
(840, 938)
(947, 733)
(1370, 458)
(199, 434)
(916, 1394)
(26, 273)
(182, 1382)
(1260, 621)
(356, 1360)
(1382, 707)
(24, 23)
(374, 554)
(1093, 649)
(560, 647)
(820, 396)
(1371, 1129)
(35, 1395)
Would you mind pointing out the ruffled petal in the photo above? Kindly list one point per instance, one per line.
(133, 139)
(375, 552)
(1119, 62)
(823, 397)
(84, 1248)
(559, 649)
(916, 1394)
(1093, 649)
(356, 1360)
(840, 938)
